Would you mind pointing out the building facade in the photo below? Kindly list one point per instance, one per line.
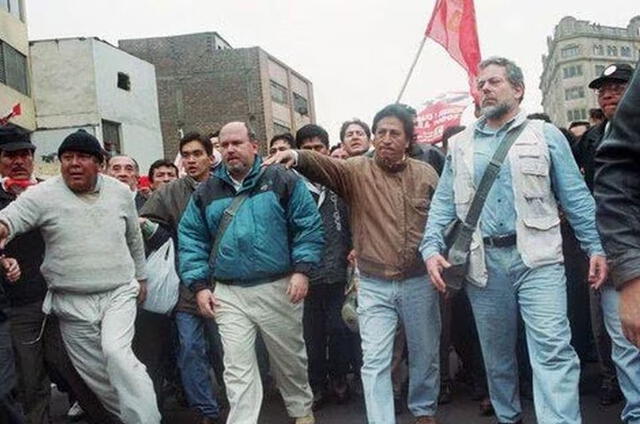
(577, 53)
(15, 78)
(204, 83)
(86, 83)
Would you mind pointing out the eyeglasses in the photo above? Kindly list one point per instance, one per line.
(614, 88)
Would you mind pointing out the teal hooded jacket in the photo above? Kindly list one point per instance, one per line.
(276, 231)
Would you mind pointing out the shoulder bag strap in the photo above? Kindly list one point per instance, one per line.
(227, 217)
(488, 178)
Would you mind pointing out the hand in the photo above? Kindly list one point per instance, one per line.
(285, 157)
(629, 307)
(598, 271)
(207, 303)
(435, 265)
(11, 269)
(352, 257)
(298, 287)
(142, 220)
(4, 234)
(142, 293)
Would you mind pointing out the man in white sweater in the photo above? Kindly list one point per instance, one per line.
(95, 268)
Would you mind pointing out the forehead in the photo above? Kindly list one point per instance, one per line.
(355, 127)
(313, 140)
(121, 161)
(390, 122)
(164, 168)
(234, 132)
(280, 141)
(192, 146)
(492, 71)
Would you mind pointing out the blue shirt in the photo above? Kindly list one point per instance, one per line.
(498, 216)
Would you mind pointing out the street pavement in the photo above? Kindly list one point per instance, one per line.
(461, 411)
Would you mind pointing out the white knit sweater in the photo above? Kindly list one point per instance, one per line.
(90, 247)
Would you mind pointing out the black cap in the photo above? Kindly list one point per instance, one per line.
(13, 138)
(620, 72)
(81, 141)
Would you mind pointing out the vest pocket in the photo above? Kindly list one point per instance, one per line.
(535, 177)
(541, 223)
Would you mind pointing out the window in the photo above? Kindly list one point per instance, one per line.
(576, 115)
(598, 50)
(111, 137)
(280, 129)
(300, 104)
(13, 68)
(279, 93)
(124, 82)
(11, 6)
(599, 70)
(612, 51)
(625, 51)
(574, 93)
(570, 51)
(572, 71)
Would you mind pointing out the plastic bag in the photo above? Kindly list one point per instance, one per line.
(162, 280)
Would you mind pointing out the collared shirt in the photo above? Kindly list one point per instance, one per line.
(498, 216)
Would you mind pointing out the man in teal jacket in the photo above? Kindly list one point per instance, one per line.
(261, 270)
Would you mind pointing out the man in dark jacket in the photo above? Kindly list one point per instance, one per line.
(261, 261)
(609, 87)
(617, 194)
(161, 215)
(327, 337)
(37, 342)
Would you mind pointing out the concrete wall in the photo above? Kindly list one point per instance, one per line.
(136, 110)
(48, 141)
(14, 32)
(64, 85)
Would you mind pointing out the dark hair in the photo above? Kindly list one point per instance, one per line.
(310, 131)
(159, 164)
(596, 113)
(334, 148)
(411, 110)
(363, 125)
(397, 111)
(214, 134)
(579, 124)
(568, 135)
(135, 162)
(288, 137)
(540, 116)
(196, 136)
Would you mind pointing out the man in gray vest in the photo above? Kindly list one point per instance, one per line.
(515, 260)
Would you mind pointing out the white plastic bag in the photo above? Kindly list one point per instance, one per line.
(162, 280)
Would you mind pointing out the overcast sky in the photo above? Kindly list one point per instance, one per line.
(356, 52)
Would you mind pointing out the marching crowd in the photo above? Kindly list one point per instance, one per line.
(328, 272)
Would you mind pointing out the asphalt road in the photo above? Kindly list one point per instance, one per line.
(461, 411)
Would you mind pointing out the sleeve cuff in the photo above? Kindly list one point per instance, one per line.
(303, 268)
(428, 252)
(199, 286)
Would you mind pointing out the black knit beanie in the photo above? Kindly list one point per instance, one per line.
(81, 141)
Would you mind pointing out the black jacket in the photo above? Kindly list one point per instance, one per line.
(28, 249)
(617, 187)
(335, 219)
(428, 154)
(584, 151)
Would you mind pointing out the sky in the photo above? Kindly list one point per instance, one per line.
(355, 52)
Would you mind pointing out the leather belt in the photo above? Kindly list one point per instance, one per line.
(507, 240)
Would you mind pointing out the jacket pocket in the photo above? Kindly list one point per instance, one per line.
(535, 176)
(541, 223)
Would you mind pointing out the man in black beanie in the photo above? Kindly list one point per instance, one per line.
(93, 276)
(35, 355)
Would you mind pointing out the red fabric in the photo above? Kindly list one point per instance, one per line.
(453, 25)
(439, 115)
(16, 110)
(144, 182)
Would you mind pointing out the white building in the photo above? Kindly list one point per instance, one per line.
(88, 83)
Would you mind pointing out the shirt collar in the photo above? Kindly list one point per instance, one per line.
(481, 124)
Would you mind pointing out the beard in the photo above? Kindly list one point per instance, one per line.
(496, 111)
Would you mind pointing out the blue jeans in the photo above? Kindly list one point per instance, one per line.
(381, 305)
(626, 356)
(194, 364)
(540, 294)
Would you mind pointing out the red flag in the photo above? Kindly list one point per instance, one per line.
(16, 110)
(453, 25)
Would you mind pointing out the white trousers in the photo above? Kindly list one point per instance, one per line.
(97, 330)
(266, 308)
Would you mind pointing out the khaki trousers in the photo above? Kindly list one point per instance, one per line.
(265, 308)
(97, 330)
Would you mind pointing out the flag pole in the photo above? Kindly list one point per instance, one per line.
(413, 65)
